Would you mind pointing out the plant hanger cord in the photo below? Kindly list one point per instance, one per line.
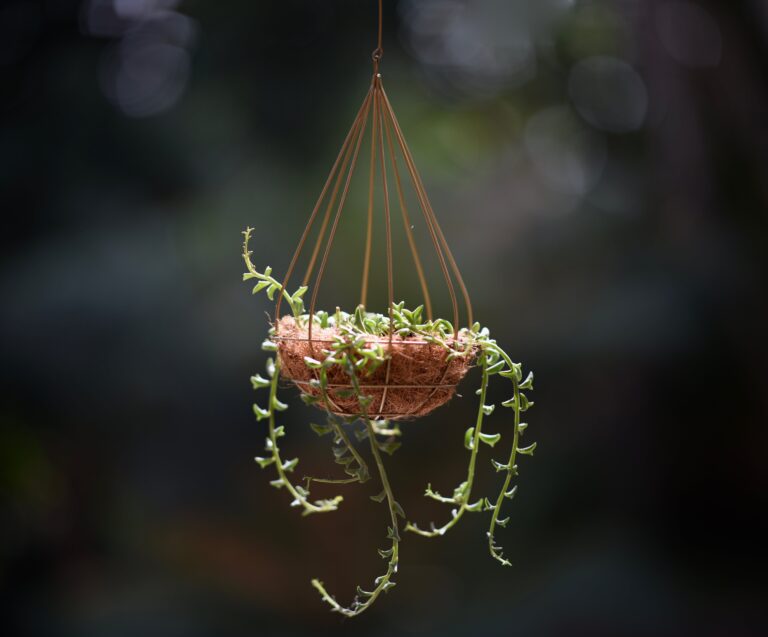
(387, 145)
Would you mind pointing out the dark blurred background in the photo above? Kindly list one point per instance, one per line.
(601, 171)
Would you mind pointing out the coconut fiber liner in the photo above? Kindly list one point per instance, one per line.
(420, 378)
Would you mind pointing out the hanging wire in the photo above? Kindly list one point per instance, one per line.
(429, 215)
(387, 225)
(352, 133)
(378, 52)
(407, 225)
(384, 126)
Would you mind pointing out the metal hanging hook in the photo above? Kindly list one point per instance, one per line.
(378, 52)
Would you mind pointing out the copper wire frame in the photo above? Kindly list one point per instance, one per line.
(386, 136)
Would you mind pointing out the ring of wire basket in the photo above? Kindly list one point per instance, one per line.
(416, 378)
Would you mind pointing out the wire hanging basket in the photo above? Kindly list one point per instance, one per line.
(366, 368)
(419, 374)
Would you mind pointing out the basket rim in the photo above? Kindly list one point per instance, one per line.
(379, 386)
(372, 339)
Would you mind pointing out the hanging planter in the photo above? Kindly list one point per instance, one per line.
(417, 377)
(367, 371)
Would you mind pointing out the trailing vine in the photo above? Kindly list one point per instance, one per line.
(348, 354)
(358, 348)
(462, 494)
(493, 360)
(284, 467)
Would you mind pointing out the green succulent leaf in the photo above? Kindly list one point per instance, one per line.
(476, 506)
(525, 404)
(260, 286)
(277, 405)
(469, 438)
(499, 466)
(495, 368)
(258, 382)
(390, 446)
(490, 439)
(260, 412)
(321, 430)
(309, 399)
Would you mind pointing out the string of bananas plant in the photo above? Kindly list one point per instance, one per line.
(358, 368)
